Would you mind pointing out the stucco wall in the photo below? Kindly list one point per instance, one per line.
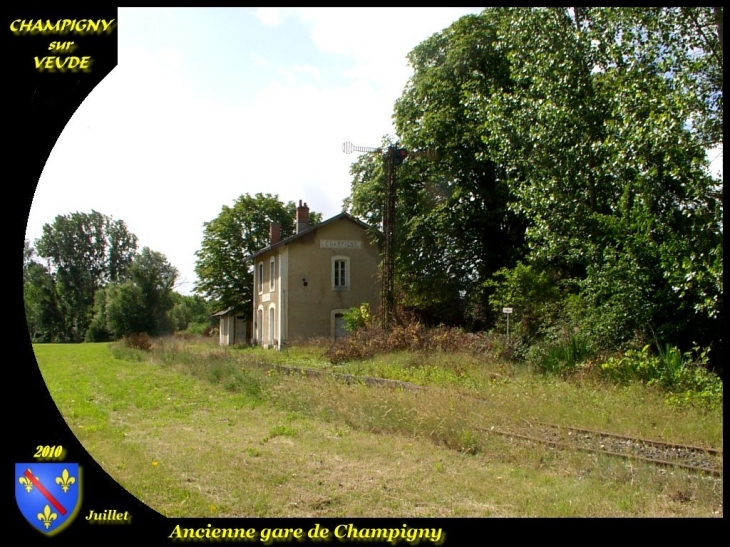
(310, 306)
(267, 298)
(306, 310)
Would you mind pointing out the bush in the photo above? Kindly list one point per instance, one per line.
(139, 341)
(210, 331)
(200, 327)
(358, 318)
(562, 357)
(97, 333)
(408, 336)
(684, 375)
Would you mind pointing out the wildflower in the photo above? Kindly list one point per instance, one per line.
(154, 464)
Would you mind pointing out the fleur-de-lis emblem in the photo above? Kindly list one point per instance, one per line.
(26, 483)
(65, 480)
(46, 517)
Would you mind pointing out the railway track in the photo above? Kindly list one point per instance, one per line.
(695, 458)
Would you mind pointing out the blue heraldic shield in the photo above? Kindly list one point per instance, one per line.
(48, 494)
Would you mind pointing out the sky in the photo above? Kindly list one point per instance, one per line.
(208, 104)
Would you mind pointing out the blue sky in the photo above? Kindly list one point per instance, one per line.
(209, 104)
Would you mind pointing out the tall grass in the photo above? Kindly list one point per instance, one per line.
(460, 385)
(181, 427)
(563, 357)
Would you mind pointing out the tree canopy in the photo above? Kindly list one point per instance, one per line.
(571, 173)
(139, 304)
(455, 227)
(84, 252)
(240, 230)
(94, 284)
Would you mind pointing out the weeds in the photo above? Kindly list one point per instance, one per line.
(683, 375)
(124, 352)
(563, 357)
(371, 340)
(138, 341)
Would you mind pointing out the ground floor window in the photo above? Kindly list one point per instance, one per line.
(272, 326)
(259, 326)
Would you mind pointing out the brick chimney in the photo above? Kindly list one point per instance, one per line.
(302, 217)
(274, 233)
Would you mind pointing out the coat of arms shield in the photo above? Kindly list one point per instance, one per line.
(48, 494)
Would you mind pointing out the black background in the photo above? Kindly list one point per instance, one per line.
(38, 107)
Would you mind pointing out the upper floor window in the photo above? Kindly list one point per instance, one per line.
(340, 273)
(272, 273)
(260, 277)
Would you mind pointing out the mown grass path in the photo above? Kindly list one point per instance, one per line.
(187, 446)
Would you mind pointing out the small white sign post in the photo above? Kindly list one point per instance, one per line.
(507, 311)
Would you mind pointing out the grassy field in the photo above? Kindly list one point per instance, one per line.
(195, 430)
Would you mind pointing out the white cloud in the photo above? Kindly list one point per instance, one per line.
(147, 149)
(306, 69)
(258, 59)
(271, 17)
(377, 38)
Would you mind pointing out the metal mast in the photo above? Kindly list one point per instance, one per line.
(393, 157)
(388, 282)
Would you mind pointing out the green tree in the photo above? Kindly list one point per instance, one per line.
(85, 252)
(140, 304)
(125, 310)
(586, 130)
(155, 277)
(99, 330)
(602, 136)
(455, 227)
(190, 310)
(42, 314)
(238, 231)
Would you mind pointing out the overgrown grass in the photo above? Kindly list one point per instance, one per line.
(563, 394)
(683, 375)
(315, 446)
(563, 357)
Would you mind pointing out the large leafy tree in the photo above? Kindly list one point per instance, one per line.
(239, 230)
(592, 125)
(454, 224)
(139, 304)
(84, 252)
(189, 310)
(603, 138)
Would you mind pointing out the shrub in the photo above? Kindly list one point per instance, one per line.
(562, 357)
(97, 333)
(358, 318)
(198, 328)
(410, 335)
(684, 375)
(139, 341)
(210, 331)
